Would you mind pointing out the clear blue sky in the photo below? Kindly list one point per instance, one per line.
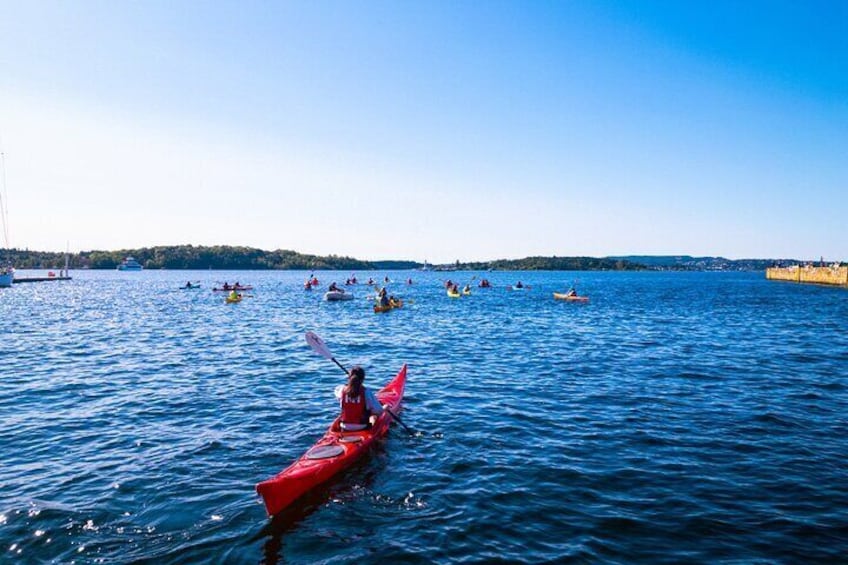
(429, 130)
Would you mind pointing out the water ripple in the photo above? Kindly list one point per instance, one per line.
(677, 417)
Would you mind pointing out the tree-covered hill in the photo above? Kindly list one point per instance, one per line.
(555, 264)
(188, 257)
(225, 257)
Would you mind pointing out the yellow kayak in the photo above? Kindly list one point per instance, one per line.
(391, 306)
(454, 294)
(570, 297)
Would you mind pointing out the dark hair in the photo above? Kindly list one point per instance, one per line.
(358, 373)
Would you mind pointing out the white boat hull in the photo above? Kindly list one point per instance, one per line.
(130, 264)
(333, 296)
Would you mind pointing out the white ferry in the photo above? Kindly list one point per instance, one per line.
(130, 264)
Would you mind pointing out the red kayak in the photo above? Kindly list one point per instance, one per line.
(333, 453)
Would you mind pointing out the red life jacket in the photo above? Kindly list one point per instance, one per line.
(353, 407)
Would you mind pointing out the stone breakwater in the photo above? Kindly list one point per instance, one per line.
(808, 274)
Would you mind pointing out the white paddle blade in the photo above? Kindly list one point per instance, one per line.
(318, 345)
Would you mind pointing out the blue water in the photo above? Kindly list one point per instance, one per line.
(677, 417)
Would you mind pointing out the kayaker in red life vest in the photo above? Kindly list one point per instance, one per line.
(360, 408)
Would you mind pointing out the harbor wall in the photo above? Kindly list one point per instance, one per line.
(809, 274)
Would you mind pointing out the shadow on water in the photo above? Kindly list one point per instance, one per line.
(349, 486)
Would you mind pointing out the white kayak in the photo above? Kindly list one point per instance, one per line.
(334, 295)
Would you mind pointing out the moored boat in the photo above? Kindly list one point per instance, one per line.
(130, 264)
(332, 454)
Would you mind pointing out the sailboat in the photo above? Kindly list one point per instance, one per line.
(7, 272)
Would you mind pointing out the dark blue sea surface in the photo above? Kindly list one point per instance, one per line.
(675, 418)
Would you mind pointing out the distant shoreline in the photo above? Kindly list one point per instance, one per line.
(230, 258)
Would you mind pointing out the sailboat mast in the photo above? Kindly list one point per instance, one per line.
(4, 211)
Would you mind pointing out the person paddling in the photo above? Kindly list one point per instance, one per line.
(359, 406)
(383, 297)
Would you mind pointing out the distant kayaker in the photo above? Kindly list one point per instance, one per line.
(334, 288)
(571, 292)
(234, 295)
(467, 289)
(360, 408)
(188, 284)
(519, 285)
(383, 297)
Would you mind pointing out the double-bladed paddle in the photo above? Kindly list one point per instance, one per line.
(318, 346)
